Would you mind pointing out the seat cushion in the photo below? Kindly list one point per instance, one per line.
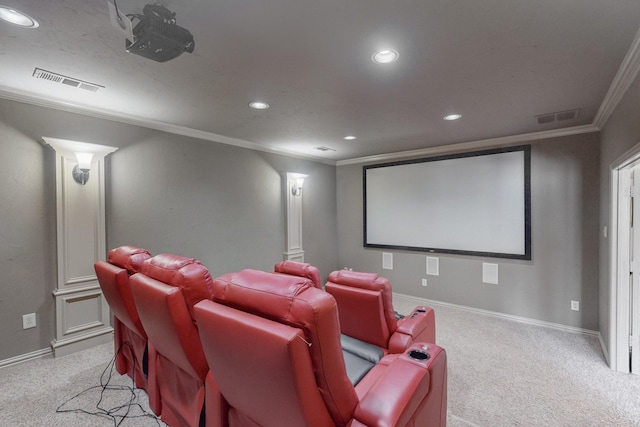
(359, 357)
(363, 350)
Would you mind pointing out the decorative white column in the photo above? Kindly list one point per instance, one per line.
(293, 238)
(82, 314)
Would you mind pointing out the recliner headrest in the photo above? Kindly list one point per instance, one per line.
(130, 258)
(186, 273)
(359, 279)
(301, 269)
(286, 299)
(258, 292)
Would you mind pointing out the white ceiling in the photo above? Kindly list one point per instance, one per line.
(499, 63)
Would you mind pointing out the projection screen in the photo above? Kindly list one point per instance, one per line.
(472, 204)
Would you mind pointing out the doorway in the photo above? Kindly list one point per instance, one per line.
(625, 263)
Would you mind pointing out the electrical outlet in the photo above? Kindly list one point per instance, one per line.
(424, 282)
(29, 321)
(575, 305)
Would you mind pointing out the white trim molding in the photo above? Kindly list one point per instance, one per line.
(625, 76)
(114, 116)
(504, 141)
(82, 313)
(518, 319)
(25, 357)
(619, 315)
(293, 216)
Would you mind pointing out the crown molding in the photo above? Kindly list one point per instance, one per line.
(27, 98)
(504, 141)
(625, 76)
(98, 113)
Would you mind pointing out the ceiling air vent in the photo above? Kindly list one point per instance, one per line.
(39, 73)
(324, 149)
(558, 116)
(567, 115)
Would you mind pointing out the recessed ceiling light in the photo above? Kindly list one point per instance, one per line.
(452, 117)
(18, 18)
(258, 105)
(385, 56)
(349, 137)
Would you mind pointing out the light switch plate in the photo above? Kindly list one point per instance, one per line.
(29, 321)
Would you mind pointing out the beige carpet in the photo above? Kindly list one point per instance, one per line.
(504, 373)
(79, 385)
(501, 373)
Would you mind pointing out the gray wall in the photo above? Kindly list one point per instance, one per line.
(221, 204)
(168, 193)
(564, 197)
(621, 132)
(27, 237)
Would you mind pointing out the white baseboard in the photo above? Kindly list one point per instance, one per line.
(25, 357)
(603, 346)
(511, 317)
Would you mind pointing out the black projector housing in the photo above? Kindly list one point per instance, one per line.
(157, 37)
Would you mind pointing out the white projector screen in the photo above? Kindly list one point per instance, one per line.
(472, 204)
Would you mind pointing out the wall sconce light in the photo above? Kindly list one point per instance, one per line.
(297, 181)
(81, 170)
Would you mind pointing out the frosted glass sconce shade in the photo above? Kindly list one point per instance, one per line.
(297, 183)
(81, 170)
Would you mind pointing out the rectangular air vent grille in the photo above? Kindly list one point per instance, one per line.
(324, 149)
(559, 116)
(39, 73)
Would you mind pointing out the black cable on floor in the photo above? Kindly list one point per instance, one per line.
(117, 414)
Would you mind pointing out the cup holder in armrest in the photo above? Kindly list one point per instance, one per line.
(421, 310)
(418, 355)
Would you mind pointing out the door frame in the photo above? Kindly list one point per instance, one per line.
(619, 313)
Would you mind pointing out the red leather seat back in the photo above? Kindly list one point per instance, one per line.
(365, 305)
(263, 368)
(165, 292)
(169, 324)
(113, 277)
(295, 302)
(188, 274)
(130, 258)
(114, 282)
(130, 338)
(301, 269)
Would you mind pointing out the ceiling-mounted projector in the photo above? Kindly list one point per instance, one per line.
(155, 35)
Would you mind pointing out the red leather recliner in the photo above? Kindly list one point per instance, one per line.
(366, 312)
(130, 338)
(165, 293)
(273, 345)
(301, 269)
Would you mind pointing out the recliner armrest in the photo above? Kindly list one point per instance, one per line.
(419, 326)
(393, 390)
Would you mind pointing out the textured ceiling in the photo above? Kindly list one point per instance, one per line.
(499, 63)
